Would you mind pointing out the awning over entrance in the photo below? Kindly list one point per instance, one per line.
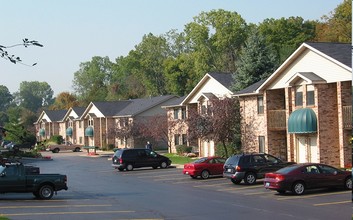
(302, 121)
(42, 132)
(69, 131)
(89, 132)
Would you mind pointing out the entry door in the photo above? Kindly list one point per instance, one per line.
(307, 150)
(205, 149)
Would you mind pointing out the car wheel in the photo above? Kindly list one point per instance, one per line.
(298, 188)
(250, 178)
(129, 167)
(348, 183)
(46, 192)
(281, 191)
(164, 165)
(235, 181)
(205, 174)
(56, 150)
(77, 149)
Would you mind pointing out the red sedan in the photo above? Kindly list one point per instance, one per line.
(205, 167)
(300, 177)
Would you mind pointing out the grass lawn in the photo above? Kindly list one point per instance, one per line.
(176, 159)
(4, 218)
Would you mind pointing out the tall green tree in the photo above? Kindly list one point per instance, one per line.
(337, 26)
(258, 60)
(34, 95)
(287, 34)
(92, 79)
(64, 100)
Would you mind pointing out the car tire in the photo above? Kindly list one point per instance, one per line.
(348, 183)
(56, 150)
(129, 167)
(77, 149)
(281, 191)
(45, 192)
(205, 174)
(298, 188)
(250, 178)
(235, 181)
(164, 165)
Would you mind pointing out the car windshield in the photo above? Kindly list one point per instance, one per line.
(118, 153)
(288, 169)
(201, 160)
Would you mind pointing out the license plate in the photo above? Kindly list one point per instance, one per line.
(267, 184)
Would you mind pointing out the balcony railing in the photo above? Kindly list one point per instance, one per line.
(277, 119)
(347, 117)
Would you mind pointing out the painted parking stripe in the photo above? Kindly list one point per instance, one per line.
(67, 213)
(333, 203)
(210, 185)
(240, 188)
(311, 196)
(51, 206)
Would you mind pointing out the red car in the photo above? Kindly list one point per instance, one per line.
(300, 177)
(205, 167)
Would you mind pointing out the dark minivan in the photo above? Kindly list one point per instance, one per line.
(130, 158)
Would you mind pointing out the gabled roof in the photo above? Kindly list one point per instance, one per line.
(79, 110)
(338, 53)
(309, 77)
(138, 106)
(250, 89)
(225, 79)
(54, 115)
(109, 109)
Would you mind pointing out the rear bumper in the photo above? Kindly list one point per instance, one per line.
(118, 166)
(236, 175)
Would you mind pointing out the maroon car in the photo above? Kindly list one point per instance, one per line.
(300, 177)
(205, 167)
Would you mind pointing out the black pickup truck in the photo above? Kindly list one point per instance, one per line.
(17, 178)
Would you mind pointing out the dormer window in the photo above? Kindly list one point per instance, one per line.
(310, 95)
(299, 96)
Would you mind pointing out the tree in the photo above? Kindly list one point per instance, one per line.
(225, 122)
(14, 59)
(199, 125)
(5, 101)
(92, 79)
(336, 27)
(34, 95)
(287, 34)
(258, 60)
(64, 100)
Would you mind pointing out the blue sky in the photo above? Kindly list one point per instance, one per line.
(73, 31)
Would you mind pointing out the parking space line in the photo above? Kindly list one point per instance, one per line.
(209, 185)
(332, 203)
(157, 176)
(237, 188)
(310, 196)
(67, 213)
(51, 206)
(256, 193)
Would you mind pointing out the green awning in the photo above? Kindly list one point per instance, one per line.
(302, 121)
(89, 132)
(69, 131)
(42, 132)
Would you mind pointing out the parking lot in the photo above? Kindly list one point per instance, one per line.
(97, 191)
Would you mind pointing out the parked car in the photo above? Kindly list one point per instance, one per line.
(250, 167)
(204, 167)
(130, 158)
(56, 148)
(300, 177)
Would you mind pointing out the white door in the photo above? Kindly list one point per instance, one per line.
(302, 155)
(211, 148)
(314, 153)
(205, 148)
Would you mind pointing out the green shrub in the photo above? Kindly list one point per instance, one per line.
(219, 150)
(182, 149)
(57, 139)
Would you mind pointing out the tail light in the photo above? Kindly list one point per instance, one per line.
(238, 168)
(279, 177)
(65, 179)
(120, 160)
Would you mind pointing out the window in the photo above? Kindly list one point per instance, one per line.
(262, 144)
(184, 139)
(299, 96)
(177, 139)
(310, 98)
(176, 113)
(203, 110)
(80, 140)
(260, 105)
(90, 122)
(183, 113)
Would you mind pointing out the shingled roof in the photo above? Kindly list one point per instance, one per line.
(250, 89)
(225, 79)
(111, 108)
(55, 115)
(79, 110)
(339, 51)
